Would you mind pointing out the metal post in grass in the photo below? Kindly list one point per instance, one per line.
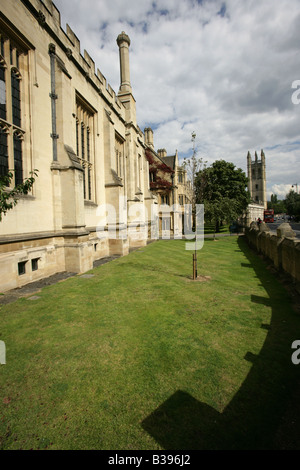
(195, 274)
(196, 270)
(194, 254)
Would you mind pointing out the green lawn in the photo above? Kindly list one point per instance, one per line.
(209, 228)
(139, 356)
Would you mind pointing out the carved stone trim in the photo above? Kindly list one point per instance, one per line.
(108, 115)
(41, 18)
(73, 157)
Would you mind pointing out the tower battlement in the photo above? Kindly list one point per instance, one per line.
(68, 49)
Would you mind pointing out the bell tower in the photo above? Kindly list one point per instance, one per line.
(257, 179)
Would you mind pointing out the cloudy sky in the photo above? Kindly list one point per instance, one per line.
(227, 70)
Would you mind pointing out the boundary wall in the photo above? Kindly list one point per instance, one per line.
(281, 247)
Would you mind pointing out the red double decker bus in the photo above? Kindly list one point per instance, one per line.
(269, 215)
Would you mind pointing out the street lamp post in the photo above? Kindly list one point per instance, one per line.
(295, 184)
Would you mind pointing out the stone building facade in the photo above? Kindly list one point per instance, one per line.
(169, 184)
(60, 116)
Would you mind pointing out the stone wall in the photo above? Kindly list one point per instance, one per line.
(281, 247)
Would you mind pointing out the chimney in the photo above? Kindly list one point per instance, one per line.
(123, 42)
(149, 136)
(162, 153)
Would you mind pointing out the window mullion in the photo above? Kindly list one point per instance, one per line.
(8, 83)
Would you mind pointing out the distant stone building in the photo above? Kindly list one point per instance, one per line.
(168, 183)
(59, 115)
(257, 179)
(256, 170)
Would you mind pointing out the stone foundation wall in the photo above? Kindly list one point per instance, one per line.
(26, 261)
(33, 257)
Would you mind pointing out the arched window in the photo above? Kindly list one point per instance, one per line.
(13, 65)
(85, 144)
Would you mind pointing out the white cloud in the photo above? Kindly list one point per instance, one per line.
(226, 76)
(281, 190)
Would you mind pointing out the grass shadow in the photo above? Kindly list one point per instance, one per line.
(263, 412)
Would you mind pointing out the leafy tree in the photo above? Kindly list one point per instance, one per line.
(223, 189)
(217, 211)
(279, 208)
(292, 204)
(274, 199)
(9, 197)
(277, 205)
